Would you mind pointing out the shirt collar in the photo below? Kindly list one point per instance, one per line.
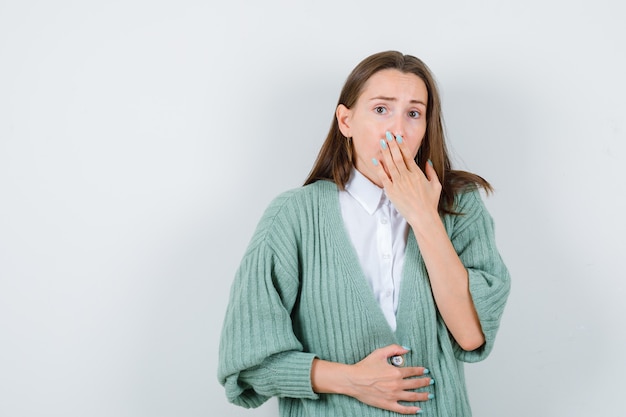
(365, 192)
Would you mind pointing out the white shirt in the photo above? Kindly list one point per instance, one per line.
(378, 233)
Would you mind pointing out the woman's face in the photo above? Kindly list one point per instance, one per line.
(391, 101)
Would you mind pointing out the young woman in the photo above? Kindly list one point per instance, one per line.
(362, 292)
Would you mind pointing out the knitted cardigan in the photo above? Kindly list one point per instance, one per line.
(300, 293)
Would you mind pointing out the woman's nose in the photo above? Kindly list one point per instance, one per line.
(397, 127)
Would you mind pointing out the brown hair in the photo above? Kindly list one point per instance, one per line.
(334, 161)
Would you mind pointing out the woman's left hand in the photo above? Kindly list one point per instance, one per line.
(414, 193)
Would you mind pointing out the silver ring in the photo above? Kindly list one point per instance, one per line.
(397, 360)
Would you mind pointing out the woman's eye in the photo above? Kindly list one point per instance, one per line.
(414, 114)
(380, 110)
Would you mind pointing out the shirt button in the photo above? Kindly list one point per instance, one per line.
(383, 221)
(386, 256)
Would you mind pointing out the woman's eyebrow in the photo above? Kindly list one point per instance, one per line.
(384, 98)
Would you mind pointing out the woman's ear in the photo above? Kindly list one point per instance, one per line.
(344, 120)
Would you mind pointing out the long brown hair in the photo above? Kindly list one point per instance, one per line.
(334, 161)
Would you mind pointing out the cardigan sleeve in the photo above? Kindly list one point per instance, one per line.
(489, 282)
(259, 355)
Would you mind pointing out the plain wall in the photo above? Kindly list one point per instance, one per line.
(140, 141)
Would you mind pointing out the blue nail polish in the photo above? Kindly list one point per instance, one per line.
(383, 144)
(430, 162)
(426, 371)
(399, 139)
(432, 381)
(419, 411)
(431, 396)
(406, 348)
(375, 161)
(389, 136)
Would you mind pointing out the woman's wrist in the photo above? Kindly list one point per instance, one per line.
(330, 377)
(427, 225)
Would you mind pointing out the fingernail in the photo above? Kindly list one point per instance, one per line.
(383, 144)
(399, 139)
(389, 136)
(426, 371)
(432, 381)
(375, 161)
(430, 162)
(431, 396)
(406, 348)
(420, 411)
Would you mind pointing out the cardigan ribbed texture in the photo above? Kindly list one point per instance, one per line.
(300, 293)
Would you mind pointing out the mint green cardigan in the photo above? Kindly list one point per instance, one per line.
(300, 293)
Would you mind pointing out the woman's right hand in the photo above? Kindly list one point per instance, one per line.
(374, 381)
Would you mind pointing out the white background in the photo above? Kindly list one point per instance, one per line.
(141, 140)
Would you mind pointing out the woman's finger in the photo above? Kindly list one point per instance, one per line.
(408, 159)
(388, 158)
(395, 152)
(381, 173)
(430, 172)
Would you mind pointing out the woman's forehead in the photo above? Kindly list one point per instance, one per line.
(395, 84)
